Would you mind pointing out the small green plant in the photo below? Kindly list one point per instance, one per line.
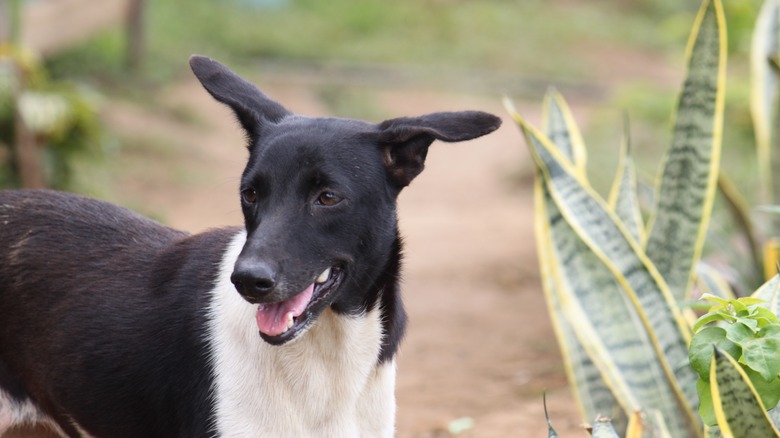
(746, 330)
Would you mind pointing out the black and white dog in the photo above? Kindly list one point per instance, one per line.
(112, 325)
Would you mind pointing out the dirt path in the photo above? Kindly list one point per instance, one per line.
(479, 343)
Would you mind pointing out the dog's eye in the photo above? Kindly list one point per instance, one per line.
(328, 198)
(249, 196)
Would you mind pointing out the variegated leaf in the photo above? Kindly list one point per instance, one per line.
(591, 393)
(623, 197)
(740, 211)
(656, 426)
(551, 433)
(712, 432)
(606, 322)
(770, 293)
(688, 178)
(711, 281)
(737, 406)
(604, 234)
(560, 127)
(647, 424)
(602, 428)
(764, 87)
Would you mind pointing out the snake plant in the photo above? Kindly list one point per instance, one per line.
(614, 283)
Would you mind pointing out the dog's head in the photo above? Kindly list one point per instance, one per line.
(319, 200)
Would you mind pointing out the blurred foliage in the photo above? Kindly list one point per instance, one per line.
(533, 37)
(542, 41)
(62, 115)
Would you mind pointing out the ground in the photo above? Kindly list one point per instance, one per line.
(479, 342)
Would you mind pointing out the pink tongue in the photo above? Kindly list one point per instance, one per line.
(272, 318)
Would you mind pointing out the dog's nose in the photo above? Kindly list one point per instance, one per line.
(253, 278)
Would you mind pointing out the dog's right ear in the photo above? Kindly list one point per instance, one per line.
(252, 107)
(405, 140)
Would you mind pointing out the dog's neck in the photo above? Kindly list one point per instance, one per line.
(330, 381)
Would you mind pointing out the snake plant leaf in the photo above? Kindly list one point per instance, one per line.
(768, 390)
(710, 280)
(602, 428)
(686, 185)
(764, 86)
(740, 211)
(656, 425)
(606, 323)
(623, 197)
(605, 235)
(560, 127)
(770, 293)
(646, 424)
(551, 433)
(737, 406)
(592, 395)
(774, 415)
(601, 231)
(636, 425)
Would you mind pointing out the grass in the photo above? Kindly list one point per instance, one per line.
(528, 38)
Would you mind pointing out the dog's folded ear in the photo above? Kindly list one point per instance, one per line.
(252, 107)
(405, 140)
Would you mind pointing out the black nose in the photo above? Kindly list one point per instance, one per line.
(253, 279)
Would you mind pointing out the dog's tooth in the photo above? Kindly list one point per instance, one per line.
(290, 321)
(323, 277)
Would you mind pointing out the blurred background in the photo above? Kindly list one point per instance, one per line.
(97, 98)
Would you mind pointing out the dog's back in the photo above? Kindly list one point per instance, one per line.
(72, 269)
(110, 319)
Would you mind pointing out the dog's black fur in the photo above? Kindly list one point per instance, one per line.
(103, 312)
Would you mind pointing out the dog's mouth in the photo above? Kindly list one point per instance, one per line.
(284, 321)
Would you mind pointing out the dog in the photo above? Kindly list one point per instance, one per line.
(112, 325)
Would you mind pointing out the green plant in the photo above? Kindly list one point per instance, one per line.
(472, 37)
(616, 287)
(746, 330)
(765, 115)
(61, 116)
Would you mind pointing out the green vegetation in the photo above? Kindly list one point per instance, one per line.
(618, 285)
(491, 46)
(60, 117)
(749, 332)
(535, 38)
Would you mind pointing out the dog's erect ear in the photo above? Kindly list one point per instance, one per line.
(251, 106)
(405, 140)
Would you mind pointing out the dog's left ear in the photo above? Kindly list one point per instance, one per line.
(405, 140)
(252, 107)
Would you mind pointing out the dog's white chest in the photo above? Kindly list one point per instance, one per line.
(326, 383)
